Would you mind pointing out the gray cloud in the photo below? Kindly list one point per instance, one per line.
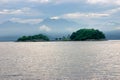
(109, 2)
(29, 21)
(14, 11)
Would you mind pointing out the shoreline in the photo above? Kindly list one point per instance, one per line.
(56, 40)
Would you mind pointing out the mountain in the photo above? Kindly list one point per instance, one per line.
(12, 30)
(58, 22)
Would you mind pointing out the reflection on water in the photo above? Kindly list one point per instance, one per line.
(60, 60)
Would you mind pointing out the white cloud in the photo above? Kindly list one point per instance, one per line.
(39, 1)
(35, 1)
(116, 2)
(29, 21)
(6, 1)
(86, 15)
(112, 11)
(78, 15)
(117, 28)
(66, 1)
(110, 2)
(14, 11)
(6, 11)
(97, 1)
(55, 17)
(45, 28)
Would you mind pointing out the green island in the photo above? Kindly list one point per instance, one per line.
(80, 35)
(34, 38)
(87, 34)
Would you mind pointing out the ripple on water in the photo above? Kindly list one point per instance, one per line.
(99, 60)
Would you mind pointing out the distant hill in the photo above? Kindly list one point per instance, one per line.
(55, 28)
(59, 23)
(87, 34)
(10, 29)
(34, 38)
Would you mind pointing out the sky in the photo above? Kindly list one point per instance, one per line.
(101, 14)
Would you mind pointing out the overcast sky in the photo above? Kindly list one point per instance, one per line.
(103, 14)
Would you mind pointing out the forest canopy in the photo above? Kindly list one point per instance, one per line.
(34, 38)
(87, 34)
(80, 35)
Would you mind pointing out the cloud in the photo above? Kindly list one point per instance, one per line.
(110, 2)
(39, 1)
(45, 28)
(55, 1)
(117, 28)
(25, 1)
(6, 11)
(55, 17)
(66, 1)
(112, 11)
(86, 15)
(14, 11)
(78, 15)
(29, 21)
(115, 2)
(7, 1)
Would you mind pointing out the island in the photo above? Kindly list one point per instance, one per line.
(80, 35)
(87, 34)
(34, 38)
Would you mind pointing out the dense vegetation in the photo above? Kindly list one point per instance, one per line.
(64, 38)
(35, 38)
(80, 35)
(87, 34)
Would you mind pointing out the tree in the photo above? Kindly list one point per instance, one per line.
(63, 38)
(39, 37)
(67, 38)
(87, 34)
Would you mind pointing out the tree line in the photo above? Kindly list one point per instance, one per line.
(79, 35)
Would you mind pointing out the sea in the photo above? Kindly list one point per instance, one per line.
(80, 60)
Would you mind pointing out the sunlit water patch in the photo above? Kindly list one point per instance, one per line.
(97, 60)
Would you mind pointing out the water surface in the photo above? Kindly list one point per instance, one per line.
(97, 60)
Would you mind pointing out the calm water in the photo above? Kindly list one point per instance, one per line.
(60, 60)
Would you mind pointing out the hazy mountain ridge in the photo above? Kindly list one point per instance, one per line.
(15, 29)
(58, 27)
